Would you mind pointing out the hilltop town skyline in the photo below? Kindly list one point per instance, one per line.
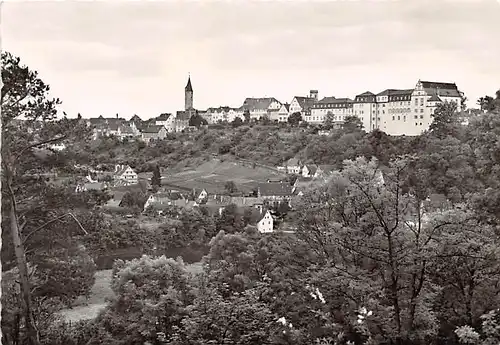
(135, 58)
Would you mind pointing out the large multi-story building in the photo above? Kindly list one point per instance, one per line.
(395, 112)
(365, 107)
(335, 108)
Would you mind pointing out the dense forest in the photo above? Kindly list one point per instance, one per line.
(411, 258)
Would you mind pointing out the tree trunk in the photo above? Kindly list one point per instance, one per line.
(22, 265)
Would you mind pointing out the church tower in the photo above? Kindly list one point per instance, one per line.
(188, 95)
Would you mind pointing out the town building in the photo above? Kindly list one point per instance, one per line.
(393, 111)
(223, 114)
(167, 120)
(303, 105)
(182, 119)
(337, 109)
(424, 99)
(262, 219)
(365, 108)
(153, 132)
(124, 173)
(258, 108)
(282, 114)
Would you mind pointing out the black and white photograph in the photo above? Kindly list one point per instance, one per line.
(250, 172)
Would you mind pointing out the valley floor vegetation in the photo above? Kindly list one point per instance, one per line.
(400, 246)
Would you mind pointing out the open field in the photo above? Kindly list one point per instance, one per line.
(101, 292)
(213, 176)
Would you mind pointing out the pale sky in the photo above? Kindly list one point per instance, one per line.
(134, 57)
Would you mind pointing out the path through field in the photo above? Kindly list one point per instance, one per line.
(101, 291)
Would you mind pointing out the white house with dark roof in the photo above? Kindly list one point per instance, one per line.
(260, 107)
(125, 174)
(281, 115)
(302, 105)
(167, 120)
(153, 132)
(262, 219)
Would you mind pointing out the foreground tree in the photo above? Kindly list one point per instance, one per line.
(329, 121)
(152, 296)
(197, 121)
(352, 124)
(377, 245)
(445, 120)
(30, 123)
(294, 119)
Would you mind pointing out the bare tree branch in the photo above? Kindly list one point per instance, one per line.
(54, 220)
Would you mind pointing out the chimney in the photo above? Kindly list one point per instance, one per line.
(313, 94)
(116, 115)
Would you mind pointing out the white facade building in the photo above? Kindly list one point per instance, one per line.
(337, 108)
(260, 107)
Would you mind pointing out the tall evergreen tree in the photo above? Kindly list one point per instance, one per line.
(156, 179)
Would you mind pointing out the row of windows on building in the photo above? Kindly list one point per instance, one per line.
(332, 105)
(345, 110)
(418, 102)
(382, 105)
(404, 117)
(322, 118)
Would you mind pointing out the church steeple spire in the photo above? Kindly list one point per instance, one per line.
(188, 86)
(188, 95)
